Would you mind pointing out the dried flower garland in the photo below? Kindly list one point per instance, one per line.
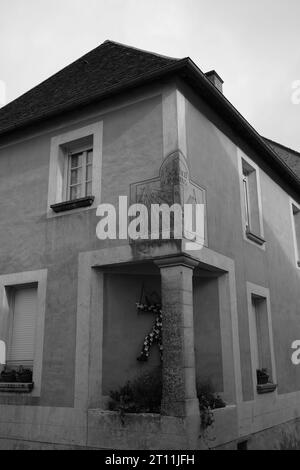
(155, 335)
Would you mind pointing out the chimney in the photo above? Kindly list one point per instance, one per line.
(215, 79)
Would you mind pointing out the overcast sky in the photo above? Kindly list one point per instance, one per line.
(253, 44)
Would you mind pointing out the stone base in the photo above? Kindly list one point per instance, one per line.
(107, 431)
(157, 432)
(285, 436)
(14, 444)
(135, 431)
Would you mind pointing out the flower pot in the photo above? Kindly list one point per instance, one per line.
(24, 377)
(263, 380)
(262, 377)
(8, 377)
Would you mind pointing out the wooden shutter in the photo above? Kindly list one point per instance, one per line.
(22, 337)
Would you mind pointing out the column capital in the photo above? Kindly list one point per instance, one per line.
(179, 260)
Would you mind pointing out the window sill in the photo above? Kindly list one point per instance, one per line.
(16, 387)
(255, 238)
(75, 204)
(266, 388)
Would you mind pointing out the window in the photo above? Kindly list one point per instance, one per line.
(2, 353)
(75, 170)
(262, 352)
(246, 202)
(79, 175)
(21, 342)
(22, 319)
(262, 347)
(296, 228)
(251, 203)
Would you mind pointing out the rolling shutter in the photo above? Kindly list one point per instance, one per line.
(22, 340)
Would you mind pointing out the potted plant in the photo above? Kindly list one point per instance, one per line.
(8, 376)
(262, 376)
(24, 375)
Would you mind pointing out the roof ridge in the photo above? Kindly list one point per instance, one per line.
(82, 59)
(107, 70)
(127, 46)
(52, 76)
(83, 102)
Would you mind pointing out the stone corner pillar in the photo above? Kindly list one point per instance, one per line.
(179, 377)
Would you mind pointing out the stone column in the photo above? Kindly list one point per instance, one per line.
(179, 378)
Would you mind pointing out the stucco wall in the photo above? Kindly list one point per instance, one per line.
(132, 150)
(213, 158)
(207, 333)
(124, 329)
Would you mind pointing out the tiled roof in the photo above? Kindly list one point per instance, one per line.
(289, 156)
(112, 68)
(93, 75)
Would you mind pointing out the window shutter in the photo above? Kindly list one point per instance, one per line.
(21, 347)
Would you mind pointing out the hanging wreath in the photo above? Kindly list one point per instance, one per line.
(155, 335)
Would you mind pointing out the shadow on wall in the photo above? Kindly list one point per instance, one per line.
(124, 327)
(211, 146)
(207, 328)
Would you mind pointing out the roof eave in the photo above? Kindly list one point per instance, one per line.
(109, 92)
(188, 70)
(211, 94)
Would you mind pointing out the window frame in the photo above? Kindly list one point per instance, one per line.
(294, 204)
(12, 297)
(256, 291)
(60, 147)
(246, 202)
(18, 280)
(68, 170)
(256, 239)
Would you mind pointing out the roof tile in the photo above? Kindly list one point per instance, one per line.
(289, 156)
(108, 65)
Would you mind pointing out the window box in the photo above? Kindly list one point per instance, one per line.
(266, 388)
(255, 238)
(20, 375)
(264, 385)
(73, 204)
(16, 387)
(16, 381)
